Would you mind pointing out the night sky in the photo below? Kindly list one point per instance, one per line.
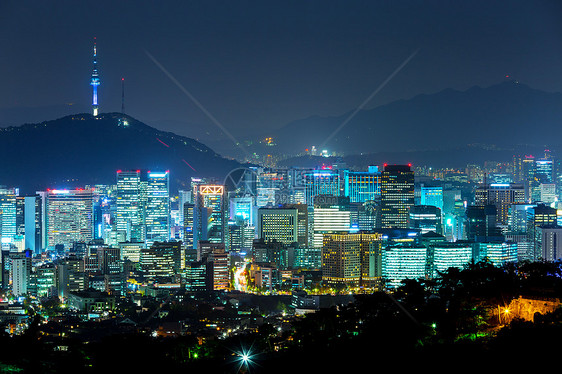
(262, 64)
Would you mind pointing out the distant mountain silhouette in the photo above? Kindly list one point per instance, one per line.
(506, 114)
(457, 157)
(81, 149)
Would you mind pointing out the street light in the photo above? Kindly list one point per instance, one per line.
(245, 360)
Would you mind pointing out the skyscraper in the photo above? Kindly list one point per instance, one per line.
(8, 208)
(331, 215)
(130, 211)
(157, 210)
(351, 258)
(397, 195)
(502, 195)
(361, 187)
(20, 272)
(321, 182)
(279, 224)
(33, 223)
(69, 217)
(211, 213)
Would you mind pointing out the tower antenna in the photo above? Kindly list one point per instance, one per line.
(123, 95)
(95, 82)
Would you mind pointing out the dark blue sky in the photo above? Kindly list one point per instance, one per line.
(261, 64)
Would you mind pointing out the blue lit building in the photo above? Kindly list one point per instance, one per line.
(129, 218)
(157, 211)
(544, 170)
(361, 187)
(8, 224)
(321, 182)
(431, 196)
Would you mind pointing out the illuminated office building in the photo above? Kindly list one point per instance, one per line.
(329, 220)
(268, 183)
(402, 262)
(278, 224)
(68, 217)
(130, 251)
(267, 251)
(218, 261)
(304, 225)
(426, 218)
(45, 280)
(442, 256)
(241, 235)
(33, 212)
(242, 207)
(320, 182)
(8, 208)
(498, 253)
(361, 187)
(397, 195)
(161, 260)
(502, 196)
(544, 170)
(129, 217)
(540, 215)
(196, 278)
(20, 272)
(366, 216)
(211, 213)
(188, 225)
(548, 193)
(71, 275)
(157, 210)
(351, 259)
(548, 243)
(431, 196)
(517, 222)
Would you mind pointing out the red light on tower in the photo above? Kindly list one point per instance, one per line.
(409, 165)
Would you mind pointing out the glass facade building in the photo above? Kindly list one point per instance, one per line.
(397, 195)
(157, 211)
(69, 217)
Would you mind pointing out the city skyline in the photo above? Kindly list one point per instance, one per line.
(282, 187)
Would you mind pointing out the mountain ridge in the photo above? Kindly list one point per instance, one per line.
(80, 149)
(497, 114)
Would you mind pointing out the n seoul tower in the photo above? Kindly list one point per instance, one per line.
(95, 82)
